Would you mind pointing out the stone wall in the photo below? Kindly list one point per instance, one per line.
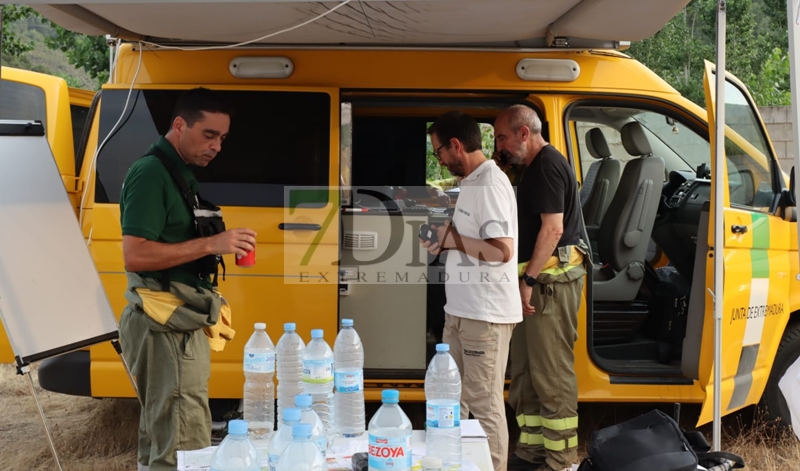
(779, 127)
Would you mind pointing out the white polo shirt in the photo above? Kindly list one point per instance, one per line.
(486, 209)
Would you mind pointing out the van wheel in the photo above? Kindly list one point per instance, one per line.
(773, 401)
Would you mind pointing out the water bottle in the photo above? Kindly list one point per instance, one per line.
(390, 435)
(259, 367)
(236, 452)
(282, 438)
(289, 357)
(308, 416)
(443, 407)
(348, 381)
(431, 463)
(301, 454)
(318, 380)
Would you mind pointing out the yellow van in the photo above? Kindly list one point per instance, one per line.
(63, 111)
(321, 135)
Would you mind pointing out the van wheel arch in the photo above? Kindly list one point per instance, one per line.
(772, 401)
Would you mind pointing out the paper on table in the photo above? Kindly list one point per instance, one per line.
(471, 428)
(195, 460)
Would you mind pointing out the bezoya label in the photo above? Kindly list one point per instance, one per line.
(390, 453)
(443, 416)
(317, 371)
(259, 362)
(348, 381)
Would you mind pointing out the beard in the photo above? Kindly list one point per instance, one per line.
(456, 169)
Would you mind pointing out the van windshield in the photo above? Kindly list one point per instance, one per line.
(683, 143)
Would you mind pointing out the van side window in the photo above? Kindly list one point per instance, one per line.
(79, 116)
(22, 101)
(747, 153)
(277, 139)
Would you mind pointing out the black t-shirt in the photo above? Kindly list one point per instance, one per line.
(548, 186)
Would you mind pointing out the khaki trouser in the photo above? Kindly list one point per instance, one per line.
(544, 389)
(480, 350)
(172, 370)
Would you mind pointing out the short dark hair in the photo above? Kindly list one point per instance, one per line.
(192, 103)
(459, 125)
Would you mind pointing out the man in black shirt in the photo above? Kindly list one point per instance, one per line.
(544, 391)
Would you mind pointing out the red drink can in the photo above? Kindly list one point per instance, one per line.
(246, 261)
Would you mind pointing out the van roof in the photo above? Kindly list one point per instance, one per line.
(416, 23)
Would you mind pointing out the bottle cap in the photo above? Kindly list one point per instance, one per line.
(316, 334)
(237, 427)
(431, 462)
(347, 322)
(442, 347)
(301, 430)
(289, 326)
(302, 400)
(291, 414)
(260, 326)
(390, 396)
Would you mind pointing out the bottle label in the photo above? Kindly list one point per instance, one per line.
(389, 453)
(348, 382)
(443, 416)
(317, 371)
(322, 445)
(259, 362)
(273, 461)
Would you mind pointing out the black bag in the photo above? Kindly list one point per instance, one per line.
(668, 309)
(652, 442)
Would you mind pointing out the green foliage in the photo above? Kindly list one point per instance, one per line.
(88, 52)
(755, 29)
(13, 46)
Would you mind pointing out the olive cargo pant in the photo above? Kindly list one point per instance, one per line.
(544, 390)
(480, 349)
(172, 370)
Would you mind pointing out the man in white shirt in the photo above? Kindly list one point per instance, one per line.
(481, 280)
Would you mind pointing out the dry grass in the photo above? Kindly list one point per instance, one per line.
(100, 434)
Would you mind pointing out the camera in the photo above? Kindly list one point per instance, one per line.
(426, 233)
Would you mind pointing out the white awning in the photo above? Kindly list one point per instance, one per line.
(489, 23)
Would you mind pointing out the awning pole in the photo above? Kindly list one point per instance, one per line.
(719, 220)
(792, 18)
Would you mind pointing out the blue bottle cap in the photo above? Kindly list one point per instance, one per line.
(347, 322)
(301, 430)
(390, 396)
(302, 400)
(237, 427)
(316, 334)
(291, 414)
(260, 326)
(289, 326)
(442, 347)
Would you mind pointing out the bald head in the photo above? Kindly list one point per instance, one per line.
(518, 132)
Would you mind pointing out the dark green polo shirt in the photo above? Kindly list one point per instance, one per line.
(151, 207)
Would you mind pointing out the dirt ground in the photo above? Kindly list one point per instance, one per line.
(100, 434)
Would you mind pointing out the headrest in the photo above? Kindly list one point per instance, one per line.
(634, 140)
(596, 143)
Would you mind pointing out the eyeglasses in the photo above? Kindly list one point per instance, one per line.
(436, 152)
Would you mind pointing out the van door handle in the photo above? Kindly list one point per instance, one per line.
(737, 229)
(291, 226)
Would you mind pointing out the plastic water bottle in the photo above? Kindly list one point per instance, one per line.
(390, 435)
(348, 381)
(308, 416)
(259, 368)
(289, 358)
(301, 454)
(443, 404)
(431, 463)
(283, 437)
(236, 452)
(318, 380)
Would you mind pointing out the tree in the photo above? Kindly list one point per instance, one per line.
(13, 46)
(88, 52)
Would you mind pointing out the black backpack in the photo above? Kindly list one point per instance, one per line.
(653, 442)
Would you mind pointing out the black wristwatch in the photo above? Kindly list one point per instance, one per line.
(529, 280)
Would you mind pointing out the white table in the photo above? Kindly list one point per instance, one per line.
(475, 450)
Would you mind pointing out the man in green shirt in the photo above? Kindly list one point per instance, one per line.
(169, 355)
